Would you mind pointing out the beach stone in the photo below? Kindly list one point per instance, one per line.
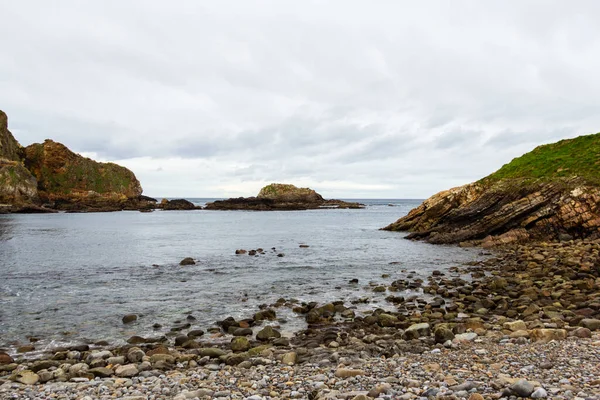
(195, 333)
(242, 332)
(187, 261)
(240, 344)
(120, 360)
(476, 396)
(442, 334)
(25, 349)
(267, 333)
(522, 388)
(45, 376)
(416, 331)
(383, 388)
(99, 355)
(515, 326)
(135, 355)
(289, 358)
(44, 364)
(5, 359)
(590, 323)
(348, 373)
(101, 372)
(387, 320)
(582, 333)
(539, 393)
(165, 358)
(465, 337)
(79, 368)
(126, 371)
(211, 352)
(547, 335)
(26, 377)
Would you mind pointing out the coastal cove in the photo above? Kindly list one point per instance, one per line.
(69, 278)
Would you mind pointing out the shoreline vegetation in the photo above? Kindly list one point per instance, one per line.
(524, 323)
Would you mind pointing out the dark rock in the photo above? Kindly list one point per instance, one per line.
(267, 333)
(129, 318)
(187, 261)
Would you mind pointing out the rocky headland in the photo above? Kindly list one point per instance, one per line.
(551, 193)
(48, 176)
(278, 196)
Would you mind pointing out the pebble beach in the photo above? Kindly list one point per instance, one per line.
(523, 326)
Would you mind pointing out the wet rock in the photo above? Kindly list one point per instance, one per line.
(129, 318)
(101, 372)
(582, 333)
(136, 340)
(44, 364)
(25, 349)
(268, 314)
(242, 332)
(187, 261)
(195, 333)
(241, 251)
(5, 359)
(515, 326)
(384, 320)
(240, 344)
(267, 333)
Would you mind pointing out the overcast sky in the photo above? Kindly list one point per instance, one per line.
(379, 99)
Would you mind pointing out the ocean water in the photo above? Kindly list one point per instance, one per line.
(68, 278)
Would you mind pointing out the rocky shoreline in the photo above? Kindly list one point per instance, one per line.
(523, 323)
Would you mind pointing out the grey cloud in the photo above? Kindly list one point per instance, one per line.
(386, 94)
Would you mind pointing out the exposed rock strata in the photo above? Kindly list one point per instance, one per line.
(281, 197)
(499, 211)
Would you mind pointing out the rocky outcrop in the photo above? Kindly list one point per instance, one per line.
(279, 196)
(177, 204)
(517, 203)
(18, 188)
(69, 181)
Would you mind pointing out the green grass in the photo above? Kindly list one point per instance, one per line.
(578, 157)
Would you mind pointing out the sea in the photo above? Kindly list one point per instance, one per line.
(70, 278)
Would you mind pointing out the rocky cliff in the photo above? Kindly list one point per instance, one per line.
(68, 181)
(18, 188)
(278, 196)
(551, 193)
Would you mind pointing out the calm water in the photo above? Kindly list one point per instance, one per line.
(68, 277)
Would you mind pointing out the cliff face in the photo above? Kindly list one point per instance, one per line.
(17, 186)
(69, 181)
(552, 193)
(278, 196)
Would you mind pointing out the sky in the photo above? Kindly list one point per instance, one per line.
(355, 99)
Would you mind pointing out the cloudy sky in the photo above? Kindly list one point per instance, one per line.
(379, 99)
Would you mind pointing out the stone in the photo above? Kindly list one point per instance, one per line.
(515, 326)
(240, 344)
(211, 352)
(442, 334)
(165, 358)
(135, 355)
(101, 372)
(582, 333)
(267, 333)
(126, 371)
(476, 396)
(129, 318)
(348, 373)
(187, 261)
(384, 320)
(243, 332)
(590, 323)
(522, 388)
(539, 393)
(289, 358)
(5, 359)
(26, 377)
(465, 337)
(547, 335)
(416, 331)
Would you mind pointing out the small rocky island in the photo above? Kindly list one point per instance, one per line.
(278, 196)
(45, 177)
(550, 193)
